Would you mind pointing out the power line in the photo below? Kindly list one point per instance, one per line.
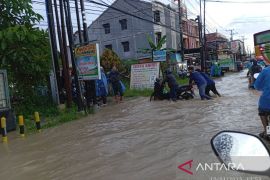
(240, 2)
(138, 17)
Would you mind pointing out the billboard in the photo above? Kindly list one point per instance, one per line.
(159, 55)
(263, 52)
(88, 62)
(143, 76)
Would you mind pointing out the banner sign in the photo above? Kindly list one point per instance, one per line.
(88, 62)
(159, 55)
(175, 58)
(143, 76)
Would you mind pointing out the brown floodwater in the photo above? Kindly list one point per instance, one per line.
(134, 140)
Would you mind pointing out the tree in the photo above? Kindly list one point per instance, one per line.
(24, 50)
(152, 45)
(110, 59)
(17, 12)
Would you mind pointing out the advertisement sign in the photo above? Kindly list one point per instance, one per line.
(263, 52)
(228, 63)
(159, 55)
(175, 58)
(88, 62)
(143, 76)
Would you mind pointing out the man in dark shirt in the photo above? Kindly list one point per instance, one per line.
(200, 82)
(170, 79)
(114, 78)
(255, 68)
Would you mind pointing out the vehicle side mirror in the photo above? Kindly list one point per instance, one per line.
(242, 151)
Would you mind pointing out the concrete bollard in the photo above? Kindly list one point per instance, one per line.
(4, 130)
(37, 120)
(21, 125)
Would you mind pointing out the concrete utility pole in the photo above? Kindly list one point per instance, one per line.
(53, 44)
(78, 20)
(181, 29)
(71, 45)
(232, 33)
(200, 35)
(63, 53)
(85, 33)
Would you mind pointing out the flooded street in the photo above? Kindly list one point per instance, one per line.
(135, 140)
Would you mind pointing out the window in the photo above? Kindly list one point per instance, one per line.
(125, 46)
(123, 23)
(158, 37)
(157, 16)
(109, 46)
(107, 28)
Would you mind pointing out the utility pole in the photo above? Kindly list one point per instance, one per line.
(200, 36)
(232, 33)
(78, 20)
(85, 33)
(71, 45)
(181, 30)
(63, 50)
(243, 48)
(216, 45)
(53, 44)
(64, 38)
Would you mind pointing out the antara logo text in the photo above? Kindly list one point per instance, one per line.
(187, 167)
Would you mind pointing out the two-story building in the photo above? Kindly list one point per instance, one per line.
(127, 35)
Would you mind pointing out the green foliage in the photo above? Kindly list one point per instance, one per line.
(25, 54)
(24, 50)
(110, 59)
(62, 116)
(127, 66)
(161, 42)
(135, 92)
(152, 45)
(17, 12)
(138, 93)
(41, 104)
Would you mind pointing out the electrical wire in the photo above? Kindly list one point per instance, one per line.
(239, 2)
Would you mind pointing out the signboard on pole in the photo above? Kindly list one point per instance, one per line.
(143, 76)
(159, 55)
(88, 62)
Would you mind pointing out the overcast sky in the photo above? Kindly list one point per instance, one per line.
(245, 18)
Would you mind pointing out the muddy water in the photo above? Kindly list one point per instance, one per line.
(136, 140)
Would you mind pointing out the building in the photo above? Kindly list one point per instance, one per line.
(127, 35)
(238, 50)
(219, 51)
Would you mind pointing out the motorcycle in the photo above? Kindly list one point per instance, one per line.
(252, 80)
(184, 92)
(242, 150)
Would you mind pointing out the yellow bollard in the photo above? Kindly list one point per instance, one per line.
(21, 125)
(37, 119)
(4, 130)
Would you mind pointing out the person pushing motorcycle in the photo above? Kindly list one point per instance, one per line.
(172, 83)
